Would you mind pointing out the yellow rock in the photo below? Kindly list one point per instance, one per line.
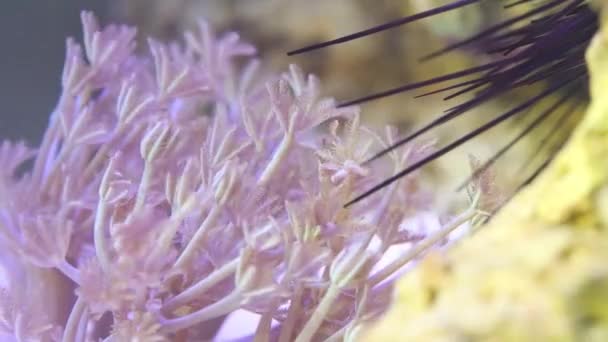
(539, 271)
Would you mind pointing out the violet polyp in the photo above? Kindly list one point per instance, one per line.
(172, 188)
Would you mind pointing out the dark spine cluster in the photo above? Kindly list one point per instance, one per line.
(544, 45)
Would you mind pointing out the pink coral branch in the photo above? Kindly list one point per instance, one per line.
(174, 187)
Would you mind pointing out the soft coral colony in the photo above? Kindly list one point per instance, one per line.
(172, 189)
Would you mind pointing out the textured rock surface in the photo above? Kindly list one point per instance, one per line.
(538, 272)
